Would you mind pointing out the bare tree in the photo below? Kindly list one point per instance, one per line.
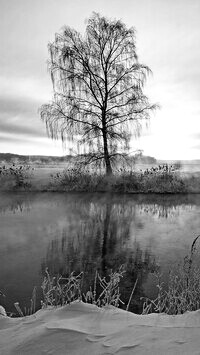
(98, 89)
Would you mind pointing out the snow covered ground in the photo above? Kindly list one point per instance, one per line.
(84, 329)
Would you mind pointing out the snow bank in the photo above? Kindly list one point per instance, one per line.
(83, 329)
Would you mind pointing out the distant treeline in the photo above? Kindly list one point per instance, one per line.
(9, 158)
(28, 159)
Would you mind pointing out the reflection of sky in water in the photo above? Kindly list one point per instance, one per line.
(88, 231)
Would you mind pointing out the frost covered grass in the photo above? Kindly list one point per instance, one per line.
(183, 291)
(59, 290)
(27, 310)
(179, 295)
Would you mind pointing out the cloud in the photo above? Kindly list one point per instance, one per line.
(20, 100)
(14, 106)
(197, 146)
(25, 87)
(19, 116)
(13, 139)
(16, 129)
(196, 136)
(30, 145)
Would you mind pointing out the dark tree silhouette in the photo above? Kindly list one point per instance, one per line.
(98, 89)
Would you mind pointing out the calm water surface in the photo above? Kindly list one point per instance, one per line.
(89, 232)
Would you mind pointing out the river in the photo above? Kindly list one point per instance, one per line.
(86, 232)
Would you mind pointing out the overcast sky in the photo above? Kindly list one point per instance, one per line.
(168, 41)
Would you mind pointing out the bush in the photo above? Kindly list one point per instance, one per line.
(16, 176)
(163, 182)
(154, 180)
(75, 179)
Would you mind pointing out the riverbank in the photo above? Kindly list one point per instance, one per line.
(56, 178)
(84, 329)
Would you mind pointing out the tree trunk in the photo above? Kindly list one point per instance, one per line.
(106, 153)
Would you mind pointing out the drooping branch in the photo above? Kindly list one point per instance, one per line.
(98, 88)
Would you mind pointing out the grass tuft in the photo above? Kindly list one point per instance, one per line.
(59, 290)
(109, 293)
(183, 291)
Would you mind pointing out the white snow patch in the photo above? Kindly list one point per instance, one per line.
(83, 329)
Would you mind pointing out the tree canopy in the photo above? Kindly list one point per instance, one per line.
(98, 85)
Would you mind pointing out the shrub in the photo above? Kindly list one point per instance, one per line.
(18, 176)
(162, 180)
(75, 179)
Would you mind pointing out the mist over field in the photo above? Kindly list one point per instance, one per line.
(140, 161)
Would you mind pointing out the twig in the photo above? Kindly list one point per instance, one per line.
(129, 301)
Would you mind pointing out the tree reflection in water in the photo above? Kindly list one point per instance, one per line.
(15, 202)
(101, 241)
(90, 232)
(163, 211)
